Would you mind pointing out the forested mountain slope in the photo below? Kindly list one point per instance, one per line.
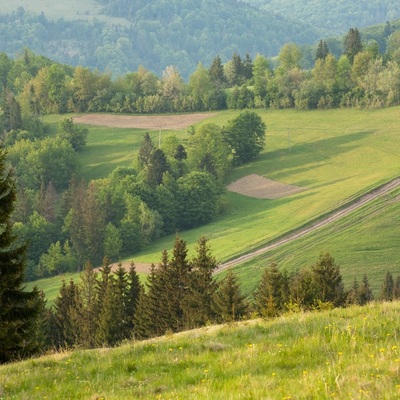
(152, 33)
(334, 16)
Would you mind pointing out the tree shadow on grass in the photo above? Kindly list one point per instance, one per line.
(302, 156)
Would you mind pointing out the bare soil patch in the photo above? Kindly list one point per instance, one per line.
(262, 188)
(139, 266)
(153, 122)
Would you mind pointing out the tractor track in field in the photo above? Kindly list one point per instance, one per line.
(316, 224)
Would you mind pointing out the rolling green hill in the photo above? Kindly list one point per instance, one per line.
(334, 155)
(343, 354)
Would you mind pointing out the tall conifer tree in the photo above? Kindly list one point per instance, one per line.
(19, 309)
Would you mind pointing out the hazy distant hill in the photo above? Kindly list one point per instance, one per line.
(153, 33)
(334, 16)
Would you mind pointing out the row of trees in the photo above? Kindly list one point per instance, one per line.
(105, 307)
(361, 76)
(68, 222)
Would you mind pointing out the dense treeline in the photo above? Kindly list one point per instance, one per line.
(105, 307)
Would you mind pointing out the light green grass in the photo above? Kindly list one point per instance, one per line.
(366, 241)
(341, 354)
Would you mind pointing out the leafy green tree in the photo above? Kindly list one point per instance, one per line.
(229, 302)
(261, 74)
(112, 244)
(19, 309)
(209, 152)
(352, 44)
(74, 134)
(289, 58)
(200, 86)
(245, 135)
(198, 199)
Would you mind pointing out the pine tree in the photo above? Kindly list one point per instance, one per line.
(328, 280)
(157, 166)
(216, 72)
(145, 151)
(89, 317)
(396, 288)
(67, 313)
(229, 303)
(198, 302)
(177, 281)
(322, 50)
(134, 292)
(352, 44)
(365, 292)
(387, 287)
(271, 294)
(19, 309)
(353, 297)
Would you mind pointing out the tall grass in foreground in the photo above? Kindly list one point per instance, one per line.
(340, 354)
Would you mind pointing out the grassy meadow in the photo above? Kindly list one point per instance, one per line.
(335, 155)
(344, 354)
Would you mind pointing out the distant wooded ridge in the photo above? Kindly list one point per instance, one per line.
(118, 36)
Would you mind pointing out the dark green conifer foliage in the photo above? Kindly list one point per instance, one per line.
(89, 317)
(67, 312)
(156, 168)
(352, 44)
(19, 309)
(229, 303)
(216, 72)
(365, 292)
(121, 289)
(387, 287)
(145, 151)
(135, 288)
(353, 296)
(247, 67)
(198, 303)
(396, 288)
(302, 289)
(322, 50)
(271, 294)
(177, 283)
(328, 280)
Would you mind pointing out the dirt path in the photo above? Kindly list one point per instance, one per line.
(334, 216)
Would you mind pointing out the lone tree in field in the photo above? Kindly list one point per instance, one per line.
(18, 309)
(245, 136)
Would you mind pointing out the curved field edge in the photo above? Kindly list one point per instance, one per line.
(343, 353)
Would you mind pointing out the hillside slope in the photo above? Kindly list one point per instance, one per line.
(343, 353)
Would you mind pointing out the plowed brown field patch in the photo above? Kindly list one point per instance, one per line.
(152, 122)
(262, 188)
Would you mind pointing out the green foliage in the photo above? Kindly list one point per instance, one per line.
(19, 309)
(74, 134)
(245, 135)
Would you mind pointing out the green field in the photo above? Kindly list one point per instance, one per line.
(340, 354)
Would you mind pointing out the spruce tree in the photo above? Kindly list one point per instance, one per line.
(145, 151)
(396, 288)
(387, 287)
(328, 280)
(229, 302)
(19, 309)
(271, 294)
(134, 292)
(322, 50)
(365, 292)
(198, 302)
(352, 44)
